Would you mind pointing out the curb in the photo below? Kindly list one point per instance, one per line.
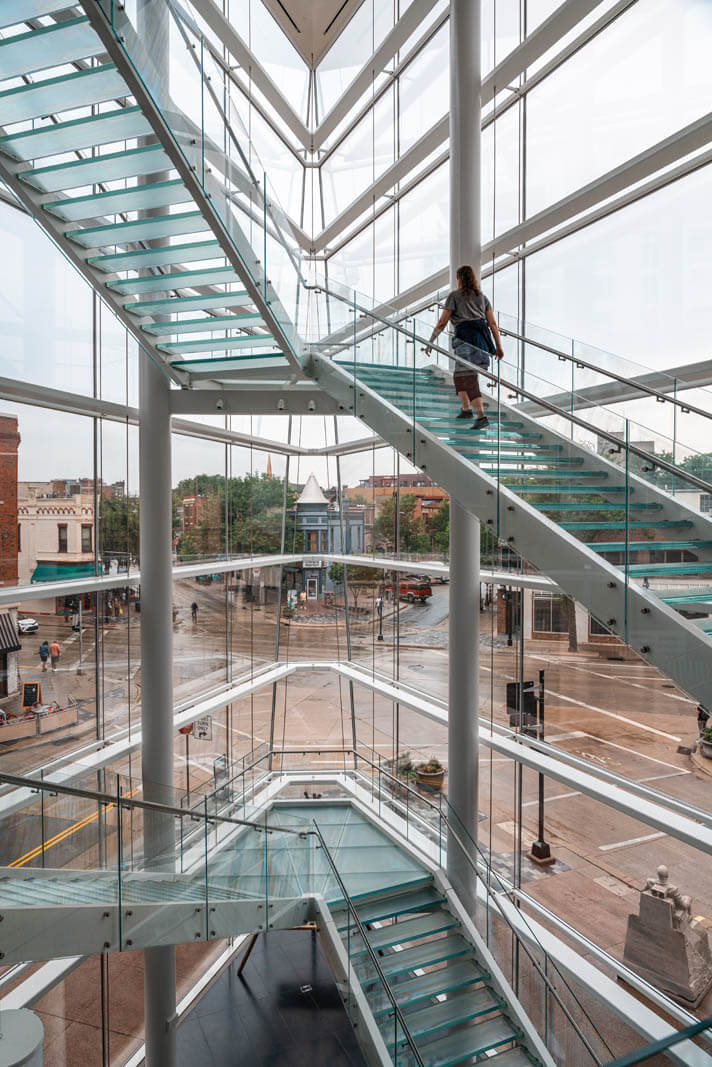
(702, 763)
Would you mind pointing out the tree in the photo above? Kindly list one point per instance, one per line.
(254, 514)
(569, 609)
(412, 536)
(118, 533)
(357, 578)
(439, 528)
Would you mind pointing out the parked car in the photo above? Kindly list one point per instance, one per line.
(412, 589)
(27, 626)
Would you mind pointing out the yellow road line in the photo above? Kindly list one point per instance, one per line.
(64, 834)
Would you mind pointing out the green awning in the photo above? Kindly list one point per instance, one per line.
(58, 572)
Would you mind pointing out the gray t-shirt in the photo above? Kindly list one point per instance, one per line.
(466, 306)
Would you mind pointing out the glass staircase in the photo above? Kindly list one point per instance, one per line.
(449, 1003)
(107, 179)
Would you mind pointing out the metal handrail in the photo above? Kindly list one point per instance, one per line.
(584, 364)
(656, 461)
(635, 384)
(36, 786)
(369, 948)
(646, 1051)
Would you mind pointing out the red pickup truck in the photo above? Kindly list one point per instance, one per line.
(412, 589)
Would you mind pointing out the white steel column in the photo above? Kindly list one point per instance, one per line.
(465, 246)
(157, 629)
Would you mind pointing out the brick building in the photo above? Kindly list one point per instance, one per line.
(380, 487)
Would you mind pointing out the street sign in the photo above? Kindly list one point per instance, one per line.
(204, 728)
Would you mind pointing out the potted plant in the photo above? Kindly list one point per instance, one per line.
(706, 742)
(431, 773)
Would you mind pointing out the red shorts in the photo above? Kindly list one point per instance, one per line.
(467, 382)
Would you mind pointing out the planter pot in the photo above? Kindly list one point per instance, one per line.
(706, 748)
(435, 781)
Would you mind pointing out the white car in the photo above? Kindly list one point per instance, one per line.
(27, 626)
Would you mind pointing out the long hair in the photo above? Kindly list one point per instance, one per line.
(468, 282)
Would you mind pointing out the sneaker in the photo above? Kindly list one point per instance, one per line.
(481, 423)
(464, 415)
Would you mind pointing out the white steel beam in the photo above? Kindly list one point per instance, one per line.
(406, 25)
(76, 586)
(228, 35)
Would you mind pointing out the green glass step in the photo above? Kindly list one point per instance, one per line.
(436, 922)
(223, 364)
(110, 167)
(13, 12)
(591, 505)
(621, 524)
(426, 955)
(64, 93)
(219, 344)
(50, 46)
(568, 490)
(424, 1021)
(552, 463)
(467, 1041)
(392, 905)
(169, 305)
(415, 990)
(158, 257)
(152, 229)
(692, 598)
(119, 201)
(181, 279)
(166, 330)
(664, 570)
(490, 437)
(641, 546)
(515, 1057)
(122, 124)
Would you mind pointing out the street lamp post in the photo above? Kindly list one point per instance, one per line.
(379, 609)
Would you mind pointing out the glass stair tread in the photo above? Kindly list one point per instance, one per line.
(486, 437)
(467, 1041)
(165, 283)
(549, 462)
(13, 12)
(223, 364)
(179, 224)
(119, 201)
(390, 906)
(157, 257)
(568, 490)
(461, 1008)
(112, 166)
(165, 330)
(122, 124)
(52, 96)
(426, 986)
(436, 922)
(692, 598)
(663, 570)
(621, 524)
(168, 305)
(640, 546)
(591, 505)
(219, 344)
(49, 46)
(425, 955)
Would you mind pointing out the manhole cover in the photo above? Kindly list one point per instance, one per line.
(417, 667)
(305, 989)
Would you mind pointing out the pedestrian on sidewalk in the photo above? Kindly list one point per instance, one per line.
(473, 318)
(194, 611)
(44, 654)
(54, 652)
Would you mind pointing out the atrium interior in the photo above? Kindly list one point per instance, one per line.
(354, 705)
